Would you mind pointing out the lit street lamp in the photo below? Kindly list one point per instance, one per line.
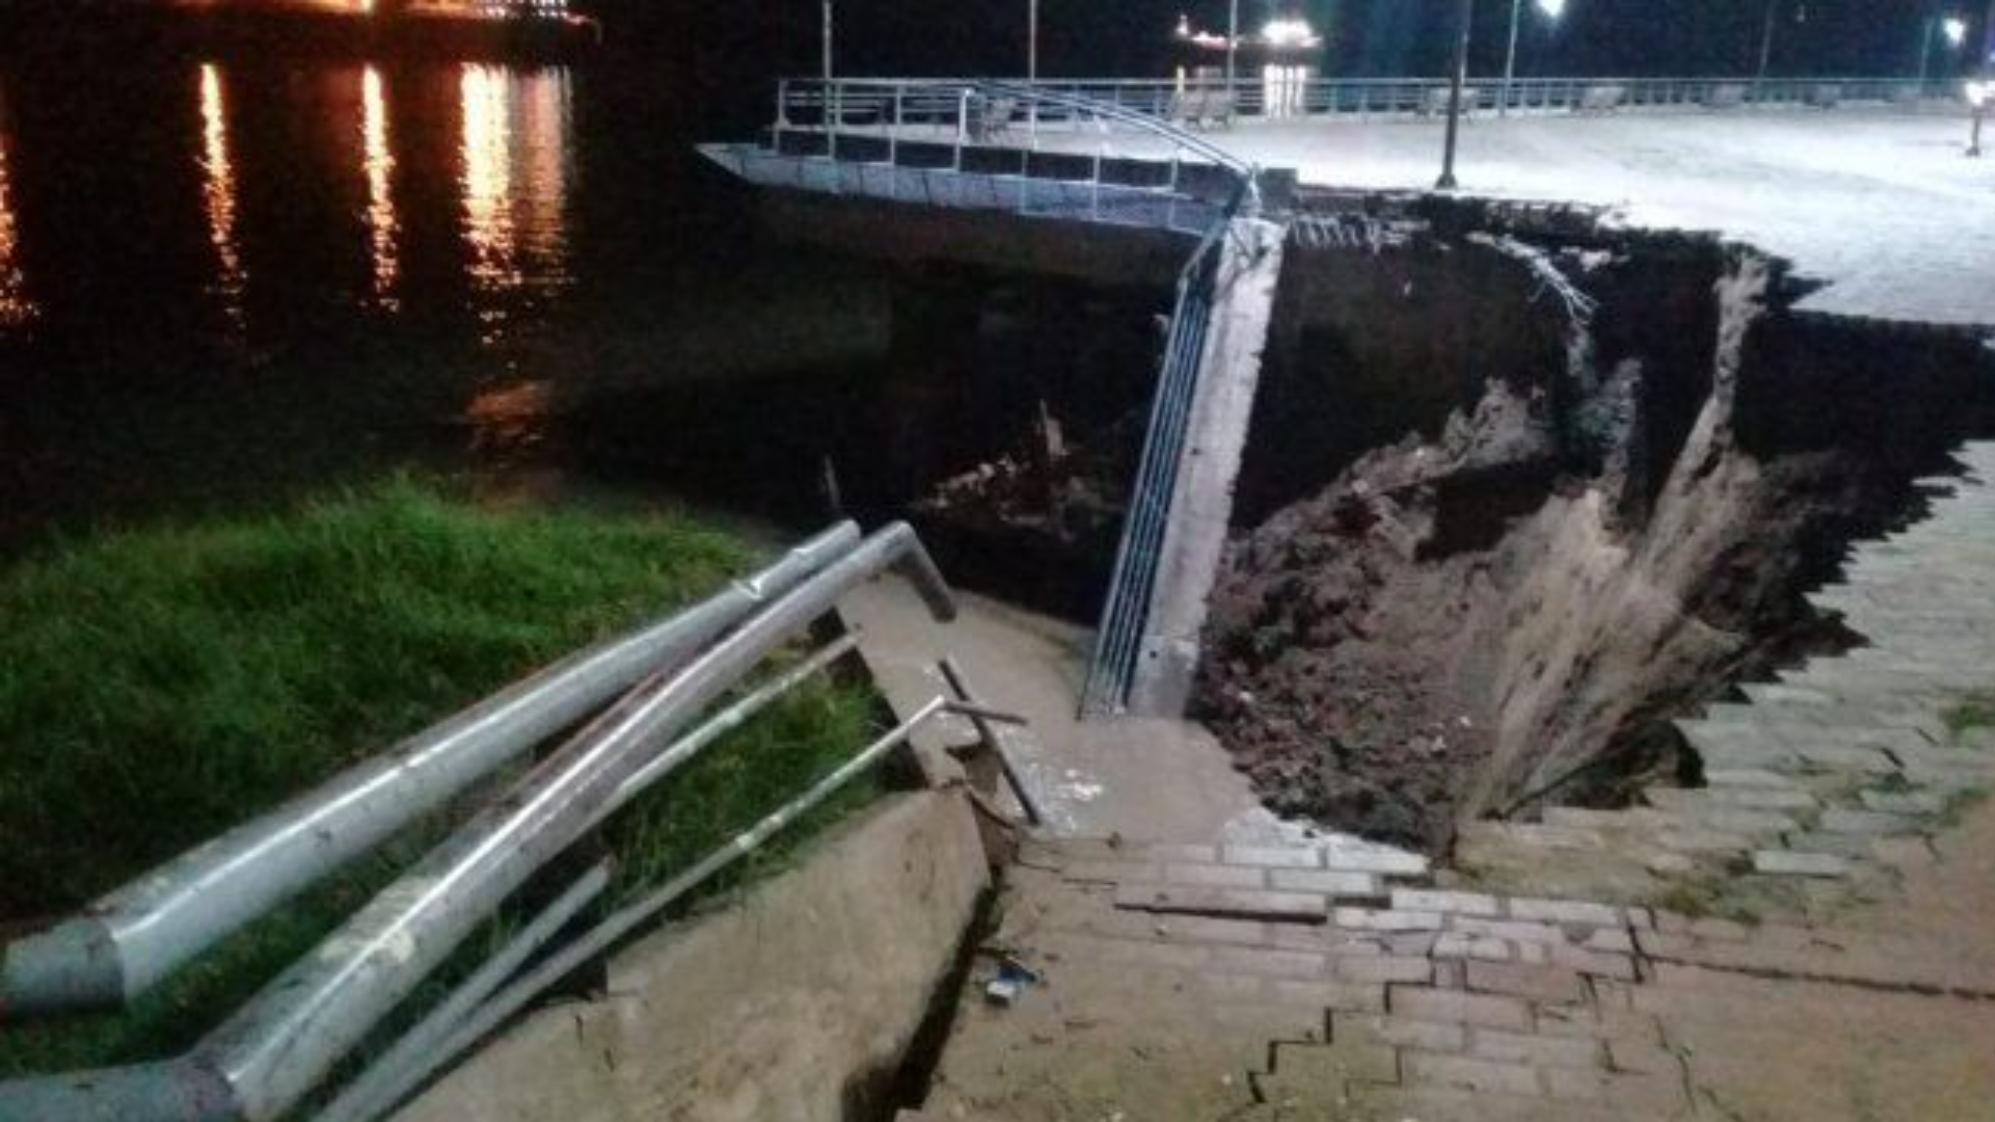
(827, 40)
(1553, 9)
(1951, 28)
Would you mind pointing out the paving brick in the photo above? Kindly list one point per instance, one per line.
(1517, 931)
(1112, 872)
(1287, 857)
(1225, 876)
(1411, 942)
(1451, 1104)
(1611, 940)
(1458, 944)
(1400, 1032)
(1357, 997)
(1601, 964)
(1746, 797)
(1277, 963)
(1245, 902)
(1685, 840)
(1662, 1092)
(1845, 821)
(1902, 802)
(1339, 884)
(1749, 777)
(1367, 857)
(1491, 1010)
(1787, 862)
(1371, 919)
(1436, 1069)
(1565, 911)
(1531, 1048)
(1325, 1067)
(1641, 1057)
(1540, 983)
(1385, 969)
(1857, 847)
(1439, 900)
(1162, 852)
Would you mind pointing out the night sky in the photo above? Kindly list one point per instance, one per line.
(1406, 37)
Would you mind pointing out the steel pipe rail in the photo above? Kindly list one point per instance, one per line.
(266, 1057)
(410, 1058)
(627, 919)
(135, 936)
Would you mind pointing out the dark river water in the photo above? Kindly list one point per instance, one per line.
(227, 280)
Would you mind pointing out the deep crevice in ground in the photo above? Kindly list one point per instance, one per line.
(1484, 556)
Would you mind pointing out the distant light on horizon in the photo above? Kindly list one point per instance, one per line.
(1294, 32)
(1955, 30)
(1553, 9)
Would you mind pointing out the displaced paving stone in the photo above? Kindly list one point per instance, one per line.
(1703, 841)
(1842, 820)
(1400, 1032)
(1641, 1057)
(1598, 964)
(1261, 960)
(1565, 911)
(1382, 860)
(1340, 884)
(1193, 854)
(1749, 777)
(1287, 857)
(1787, 862)
(1244, 902)
(1317, 1069)
(1440, 900)
(1540, 983)
(1530, 1048)
(1517, 931)
(1356, 997)
(1611, 940)
(1233, 876)
(1902, 802)
(1385, 968)
(1854, 846)
(1491, 1010)
(1458, 944)
(1371, 919)
(1431, 1068)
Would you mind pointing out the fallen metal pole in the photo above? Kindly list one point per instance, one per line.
(988, 735)
(266, 1057)
(407, 1061)
(610, 931)
(137, 935)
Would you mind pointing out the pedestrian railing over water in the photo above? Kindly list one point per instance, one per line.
(647, 689)
(811, 102)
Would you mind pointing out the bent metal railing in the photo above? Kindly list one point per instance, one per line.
(263, 1060)
(857, 125)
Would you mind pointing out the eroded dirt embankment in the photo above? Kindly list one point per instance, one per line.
(1503, 530)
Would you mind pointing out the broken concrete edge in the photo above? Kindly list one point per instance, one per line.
(778, 1003)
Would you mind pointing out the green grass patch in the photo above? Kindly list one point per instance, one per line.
(159, 686)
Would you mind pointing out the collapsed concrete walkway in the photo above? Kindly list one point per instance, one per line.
(1803, 938)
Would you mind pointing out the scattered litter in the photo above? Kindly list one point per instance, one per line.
(1014, 977)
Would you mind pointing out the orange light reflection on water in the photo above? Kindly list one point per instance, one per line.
(379, 161)
(15, 306)
(219, 193)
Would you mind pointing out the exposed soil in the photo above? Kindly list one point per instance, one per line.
(1610, 523)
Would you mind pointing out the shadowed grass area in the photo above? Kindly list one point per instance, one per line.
(159, 686)
(1977, 712)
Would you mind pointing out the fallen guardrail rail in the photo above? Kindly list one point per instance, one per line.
(281, 1046)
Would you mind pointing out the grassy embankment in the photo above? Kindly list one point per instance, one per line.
(158, 686)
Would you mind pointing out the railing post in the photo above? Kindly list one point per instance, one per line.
(833, 116)
(894, 133)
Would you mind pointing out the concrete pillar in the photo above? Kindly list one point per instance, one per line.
(1202, 500)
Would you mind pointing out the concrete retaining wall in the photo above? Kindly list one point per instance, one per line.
(796, 1003)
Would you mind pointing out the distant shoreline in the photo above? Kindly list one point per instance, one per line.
(59, 33)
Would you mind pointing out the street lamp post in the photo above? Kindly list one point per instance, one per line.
(1232, 41)
(1765, 47)
(1510, 57)
(1032, 41)
(1457, 78)
(827, 40)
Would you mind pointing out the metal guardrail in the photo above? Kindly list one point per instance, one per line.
(129, 940)
(270, 1054)
(966, 143)
(1138, 555)
(809, 102)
